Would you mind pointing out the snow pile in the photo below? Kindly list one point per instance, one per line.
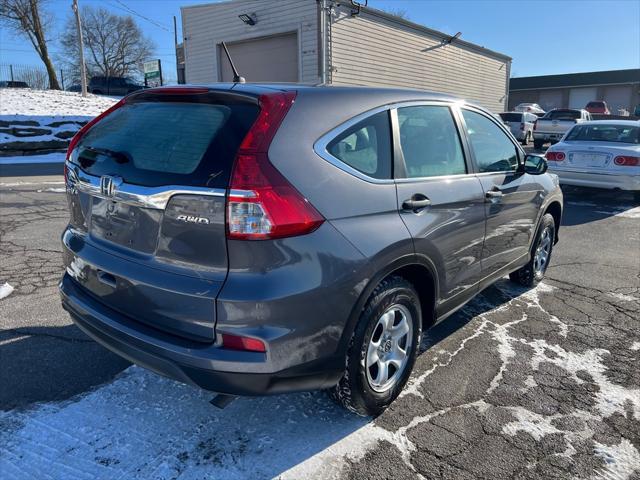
(5, 290)
(40, 121)
(50, 103)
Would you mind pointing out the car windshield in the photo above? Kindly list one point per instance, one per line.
(563, 115)
(595, 105)
(511, 117)
(605, 133)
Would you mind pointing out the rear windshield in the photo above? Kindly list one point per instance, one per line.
(157, 143)
(595, 104)
(605, 133)
(511, 117)
(563, 115)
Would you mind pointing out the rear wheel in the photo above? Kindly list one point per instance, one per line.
(382, 350)
(525, 140)
(533, 272)
(537, 144)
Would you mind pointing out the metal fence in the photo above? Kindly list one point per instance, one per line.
(35, 76)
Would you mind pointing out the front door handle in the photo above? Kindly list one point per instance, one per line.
(416, 203)
(494, 194)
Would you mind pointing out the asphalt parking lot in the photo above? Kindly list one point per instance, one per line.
(520, 384)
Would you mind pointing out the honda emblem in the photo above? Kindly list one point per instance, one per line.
(109, 185)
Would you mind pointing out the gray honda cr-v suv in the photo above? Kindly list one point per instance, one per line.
(258, 239)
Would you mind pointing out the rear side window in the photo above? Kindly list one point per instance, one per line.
(563, 115)
(430, 142)
(511, 117)
(366, 146)
(492, 148)
(167, 143)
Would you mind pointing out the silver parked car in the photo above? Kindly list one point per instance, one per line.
(601, 154)
(257, 239)
(520, 124)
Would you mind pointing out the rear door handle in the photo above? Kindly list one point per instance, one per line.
(416, 203)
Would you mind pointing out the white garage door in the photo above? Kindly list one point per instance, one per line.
(550, 99)
(266, 59)
(579, 97)
(618, 97)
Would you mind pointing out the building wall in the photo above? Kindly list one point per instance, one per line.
(205, 26)
(371, 50)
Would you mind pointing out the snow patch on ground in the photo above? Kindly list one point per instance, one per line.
(55, 157)
(635, 346)
(624, 212)
(21, 184)
(5, 290)
(53, 190)
(624, 297)
(620, 461)
(20, 103)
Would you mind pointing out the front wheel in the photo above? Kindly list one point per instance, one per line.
(533, 272)
(382, 350)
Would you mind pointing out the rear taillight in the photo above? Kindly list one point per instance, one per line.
(554, 156)
(261, 203)
(83, 131)
(626, 161)
(236, 342)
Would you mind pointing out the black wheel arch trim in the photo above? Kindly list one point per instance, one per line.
(413, 259)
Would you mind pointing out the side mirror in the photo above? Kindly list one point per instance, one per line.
(534, 165)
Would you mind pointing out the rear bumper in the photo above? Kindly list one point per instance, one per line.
(195, 363)
(597, 179)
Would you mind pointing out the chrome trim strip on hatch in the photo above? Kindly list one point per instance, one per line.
(147, 197)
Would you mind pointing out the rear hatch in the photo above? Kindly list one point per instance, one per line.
(147, 235)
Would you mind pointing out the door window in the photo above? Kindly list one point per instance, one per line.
(492, 148)
(430, 142)
(366, 146)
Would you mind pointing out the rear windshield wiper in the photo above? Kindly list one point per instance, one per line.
(119, 157)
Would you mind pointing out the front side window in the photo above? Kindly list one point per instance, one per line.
(492, 148)
(366, 146)
(430, 142)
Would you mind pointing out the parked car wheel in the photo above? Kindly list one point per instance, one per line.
(382, 350)
(531, 274)
(537, 144)
(97, 92)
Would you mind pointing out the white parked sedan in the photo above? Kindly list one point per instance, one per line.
(601, 154)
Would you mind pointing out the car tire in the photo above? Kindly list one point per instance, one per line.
(97, 92)
(396, 304)
(525, 140)
(537, 144)
(533, 272)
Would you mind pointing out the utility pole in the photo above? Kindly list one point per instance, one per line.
(175, 47)
(83, 72)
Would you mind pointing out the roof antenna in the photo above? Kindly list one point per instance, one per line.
(236, 76)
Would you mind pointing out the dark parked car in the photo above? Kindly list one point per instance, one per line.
(255, 239)
(13, 84)
(113, 86)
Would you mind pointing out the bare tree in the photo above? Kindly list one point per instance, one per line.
(24, 17)
(399, 12)
(114, 44)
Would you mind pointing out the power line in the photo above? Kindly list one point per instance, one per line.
(132, 11)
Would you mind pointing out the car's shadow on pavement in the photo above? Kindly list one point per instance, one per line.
(143, 425)
(585, 205)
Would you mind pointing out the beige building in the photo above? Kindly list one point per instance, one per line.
(335, 42)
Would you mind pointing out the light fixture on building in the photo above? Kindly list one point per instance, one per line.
(248, 18)
(448, 41)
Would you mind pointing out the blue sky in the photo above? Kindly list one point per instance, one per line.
(543, 36)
